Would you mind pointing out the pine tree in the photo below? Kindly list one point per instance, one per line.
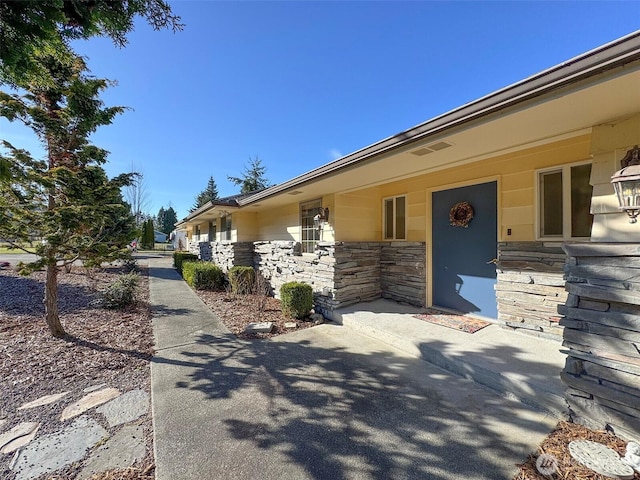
(170, 220)
(67, 198)
(253, 178)
(28, 27)
(207, 195)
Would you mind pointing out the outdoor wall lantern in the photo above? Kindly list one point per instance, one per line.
(626, 183)
(321, 218)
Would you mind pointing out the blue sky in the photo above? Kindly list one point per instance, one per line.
(302, 83)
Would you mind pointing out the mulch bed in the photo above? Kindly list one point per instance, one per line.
(110, 347)
(238, 311)
(557, 444)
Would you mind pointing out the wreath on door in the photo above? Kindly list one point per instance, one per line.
(460, 214)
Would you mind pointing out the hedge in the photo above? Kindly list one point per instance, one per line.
(203, 275)
(180, 257)
(296, 299)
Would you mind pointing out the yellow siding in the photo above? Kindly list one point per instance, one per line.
(358, 215)
(243, 226)
(361, 211)
(279, 223)
(610, 144)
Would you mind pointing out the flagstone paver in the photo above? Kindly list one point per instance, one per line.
(57, 450)
(119, 452)
(126, 408)
(18, 436)
(94, 388)
(259, 327)
(89, 401)
(46, 400)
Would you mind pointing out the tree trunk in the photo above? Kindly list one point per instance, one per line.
(51, 302)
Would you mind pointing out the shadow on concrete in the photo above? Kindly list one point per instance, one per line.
(329, 412)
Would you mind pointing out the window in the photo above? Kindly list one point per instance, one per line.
(225, 228)
(395, 218)
(564, 196)
(308, 230)
(197, 233)
(212, 231)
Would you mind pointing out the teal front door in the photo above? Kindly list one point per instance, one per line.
(463, 258)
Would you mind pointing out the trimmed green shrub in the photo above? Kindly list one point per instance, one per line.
(242, 279)
(121, 292)
(296, 298)
(203, 275)
(180, 257)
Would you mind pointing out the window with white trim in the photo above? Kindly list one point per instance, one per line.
(212, 231)
(225, 227)
(564, 202)
(394, 212)
(309, 233)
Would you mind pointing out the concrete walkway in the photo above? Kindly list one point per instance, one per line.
(517, 365)
(321, 403)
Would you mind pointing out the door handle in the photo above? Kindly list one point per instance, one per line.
(494, 261)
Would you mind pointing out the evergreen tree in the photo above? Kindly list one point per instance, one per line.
(27, 27)
(169, 221)
(148, 238)
(207, 195)
(66, 199)
(252, 178)
(158, 220)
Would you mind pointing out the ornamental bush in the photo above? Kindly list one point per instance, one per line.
(121, 292)
(242, 279)
(296, 298)
(180, 257)
(203, 275)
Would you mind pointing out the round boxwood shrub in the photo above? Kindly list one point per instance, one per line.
(296, 298)
(242, 279)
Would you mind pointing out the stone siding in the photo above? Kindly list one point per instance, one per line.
(340, 273)
(403, 276)
(601, 320)
(280, 262)
(530, 286)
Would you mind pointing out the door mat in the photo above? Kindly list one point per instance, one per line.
(451, 320)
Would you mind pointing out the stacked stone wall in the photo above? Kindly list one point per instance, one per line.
(530, 286)
(357, 272)
(340, 273)
(601, 320)
(280, 262)
(403, 275)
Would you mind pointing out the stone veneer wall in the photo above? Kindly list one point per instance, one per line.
(341, 273)
(280, 262)
(403, 275)
(601, 320)
(530, 286)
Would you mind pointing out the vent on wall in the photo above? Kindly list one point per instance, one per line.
(295, 192)
(434, 147)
